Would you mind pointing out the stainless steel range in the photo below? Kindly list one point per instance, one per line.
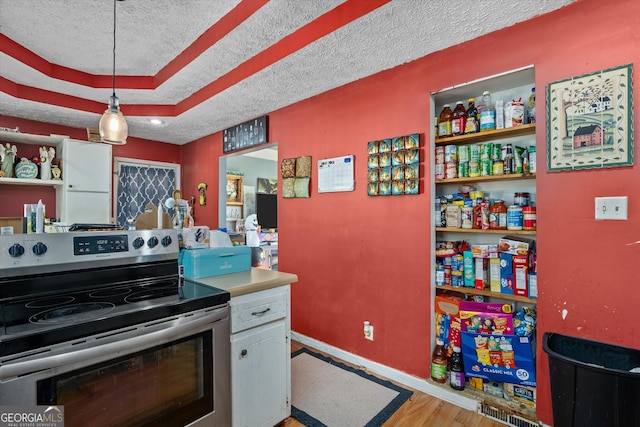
(102, 323)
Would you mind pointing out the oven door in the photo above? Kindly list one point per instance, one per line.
(173, 372)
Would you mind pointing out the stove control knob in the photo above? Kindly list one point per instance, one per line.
(39, 248)
(138, 242)
(16, 250)
(152, 242)
(166, 241)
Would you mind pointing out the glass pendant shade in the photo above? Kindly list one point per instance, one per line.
(113, 127)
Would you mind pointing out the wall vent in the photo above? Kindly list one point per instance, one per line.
(505, 417)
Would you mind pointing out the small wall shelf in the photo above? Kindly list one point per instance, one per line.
(25, 181)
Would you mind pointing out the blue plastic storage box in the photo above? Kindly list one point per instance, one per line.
(199, 263)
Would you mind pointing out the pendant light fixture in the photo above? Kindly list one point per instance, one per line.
(113, 127)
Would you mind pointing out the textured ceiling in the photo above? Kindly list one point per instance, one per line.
(204, 65)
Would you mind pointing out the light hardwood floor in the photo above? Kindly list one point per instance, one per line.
(420, 410)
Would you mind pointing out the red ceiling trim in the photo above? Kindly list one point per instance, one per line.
(213, 35)
(341, 15)
(217, 31)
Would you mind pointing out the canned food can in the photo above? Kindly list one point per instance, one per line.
(463, 170)
(439, 155)
(486, 151)
(474, 168)
(439, 170)
(450, 170)
(450, 154)
(498, 167)
(440, 275)
(529, 217)
(474, 152)
(456, 279)
(485, 167)
(463, 153)
(447, 275)
(514, 218)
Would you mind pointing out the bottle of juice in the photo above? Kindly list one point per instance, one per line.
(458, 119)
(457, 370)
(498, 215)
(444, 121)
(486, 113)
(439, 363)
(471, 124)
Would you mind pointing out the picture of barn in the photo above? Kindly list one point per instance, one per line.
(586, 136)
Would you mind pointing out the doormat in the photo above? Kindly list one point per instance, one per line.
(326, 393)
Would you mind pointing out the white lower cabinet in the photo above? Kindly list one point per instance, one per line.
(260, 358)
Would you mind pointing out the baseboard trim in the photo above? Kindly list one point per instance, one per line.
(400, 377)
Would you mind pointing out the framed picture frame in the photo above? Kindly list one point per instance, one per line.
(590, 121)
(234, 189)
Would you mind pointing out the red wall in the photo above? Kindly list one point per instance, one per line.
(364, 258)
(200, 164)
(14, 196)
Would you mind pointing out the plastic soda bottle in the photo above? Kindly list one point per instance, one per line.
(486, 113)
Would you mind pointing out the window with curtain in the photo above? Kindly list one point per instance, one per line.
(139, 183)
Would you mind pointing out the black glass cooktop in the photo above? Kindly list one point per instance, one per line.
(40, 311)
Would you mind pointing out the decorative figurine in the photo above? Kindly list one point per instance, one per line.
(8, 158)
(251, 229)
(26, 169)
(56, 172)
(46, 156)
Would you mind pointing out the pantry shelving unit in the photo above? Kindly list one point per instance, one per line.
(506, 86)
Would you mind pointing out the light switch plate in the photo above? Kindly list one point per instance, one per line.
(611, 208)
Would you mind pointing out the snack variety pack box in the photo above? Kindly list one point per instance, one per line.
(487, 318)
(504, 358)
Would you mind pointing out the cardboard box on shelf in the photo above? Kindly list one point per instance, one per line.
(504, 358)
(494, 275)
(16, 224)
(484, 251)
(520, 267)
(520, 394)
(533, 285)
(506, 274)
(448, 303)
(482, 276)
(515, 245)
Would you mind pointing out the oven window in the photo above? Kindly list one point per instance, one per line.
(168, 385)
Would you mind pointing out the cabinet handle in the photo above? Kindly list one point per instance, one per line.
(243, 353)
(261, 313)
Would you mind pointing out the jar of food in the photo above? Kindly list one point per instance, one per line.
(529, 217)
(521, 199)
(514, 218)
(498, 215)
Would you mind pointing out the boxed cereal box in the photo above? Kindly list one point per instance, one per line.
(506, 274)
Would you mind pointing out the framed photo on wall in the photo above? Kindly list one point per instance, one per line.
(590, 121)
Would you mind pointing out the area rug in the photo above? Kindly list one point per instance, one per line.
(327, 393)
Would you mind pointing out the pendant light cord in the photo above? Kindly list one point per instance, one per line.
(113, 75)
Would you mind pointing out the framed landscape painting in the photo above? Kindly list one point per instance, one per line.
(590, 121)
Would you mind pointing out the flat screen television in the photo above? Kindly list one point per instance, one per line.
(267, 210)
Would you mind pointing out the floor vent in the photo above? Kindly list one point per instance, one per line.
(506, 418)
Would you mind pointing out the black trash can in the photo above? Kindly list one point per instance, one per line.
(593, 384)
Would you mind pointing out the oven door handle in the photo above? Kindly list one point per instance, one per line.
(162, 336)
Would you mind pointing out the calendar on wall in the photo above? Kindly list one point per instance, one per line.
(336, 174)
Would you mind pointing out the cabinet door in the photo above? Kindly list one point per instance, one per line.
(86, 166)
(86, 207)
(259, 361)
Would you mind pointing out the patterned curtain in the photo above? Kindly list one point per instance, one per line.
(139, 185)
